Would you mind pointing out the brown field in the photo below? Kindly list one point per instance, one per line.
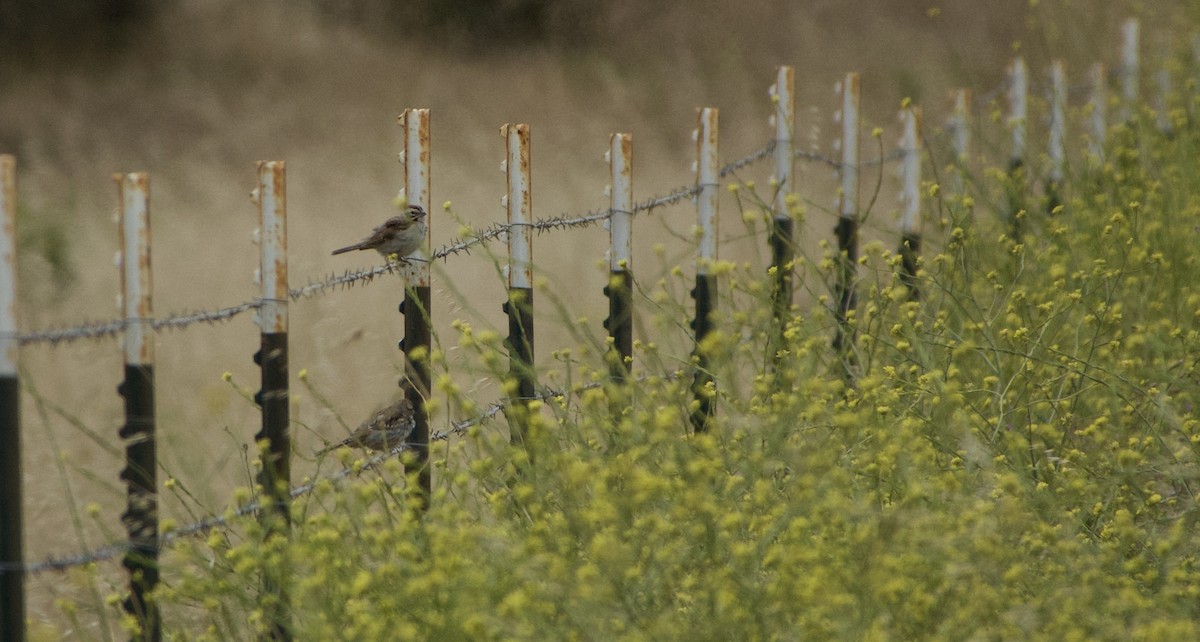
(205, 89)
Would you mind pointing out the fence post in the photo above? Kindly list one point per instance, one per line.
(910, 199)
(12, 578)
(519, 306)
(705, 292)
(275, 475)
(620, 257)
(1058, 133)
(961, 131)
(782, 237)
(1129, 68)
(847, 227)
(1098, 117)
(141, 466)
(1162, 96)
(1018, 95)
(418, 330)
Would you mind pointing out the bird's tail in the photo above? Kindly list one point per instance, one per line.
(348, 248)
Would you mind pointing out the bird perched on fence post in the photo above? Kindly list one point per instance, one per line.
(401, 235)
(386, 429)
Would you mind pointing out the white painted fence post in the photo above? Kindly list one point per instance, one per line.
(1129, 68)
(1058, 128)
(910, 171)
(1098, 116)
(960, 130)
(783, 95)
(1018, 95)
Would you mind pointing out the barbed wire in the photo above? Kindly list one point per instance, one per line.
(463, 245)
(114, 549)
(355, 277)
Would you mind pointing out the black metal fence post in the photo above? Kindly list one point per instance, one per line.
(12, 578)
(418, 323)
(705, 292)
(705, 295)
(273, 398)
(138, 432)
(519, 306)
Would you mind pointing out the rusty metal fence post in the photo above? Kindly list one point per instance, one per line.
(620, 255)
(275, 475)
(782, 236)
(910, 199)
(705, 292)
(418, 329)
(519, 307)
(141, 465)
(847, 226)
(12, 577)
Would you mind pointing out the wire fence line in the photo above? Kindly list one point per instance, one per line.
(463, 245)
(114, 549)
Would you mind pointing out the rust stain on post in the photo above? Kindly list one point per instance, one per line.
(707, 181)
(621, 202)
(272, 208)
(520, 206)
(8, 258)
(417, 183)
(136, 282)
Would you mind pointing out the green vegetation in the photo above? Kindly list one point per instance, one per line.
(1015, 456)
(1016, 459)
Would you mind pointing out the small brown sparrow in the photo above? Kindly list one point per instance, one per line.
(400, 235)
(386, 429)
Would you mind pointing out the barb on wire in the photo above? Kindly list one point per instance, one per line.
(347, 279)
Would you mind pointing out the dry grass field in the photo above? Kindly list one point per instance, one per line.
(202, 90)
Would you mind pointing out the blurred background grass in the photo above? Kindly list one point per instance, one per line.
(195, 92)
